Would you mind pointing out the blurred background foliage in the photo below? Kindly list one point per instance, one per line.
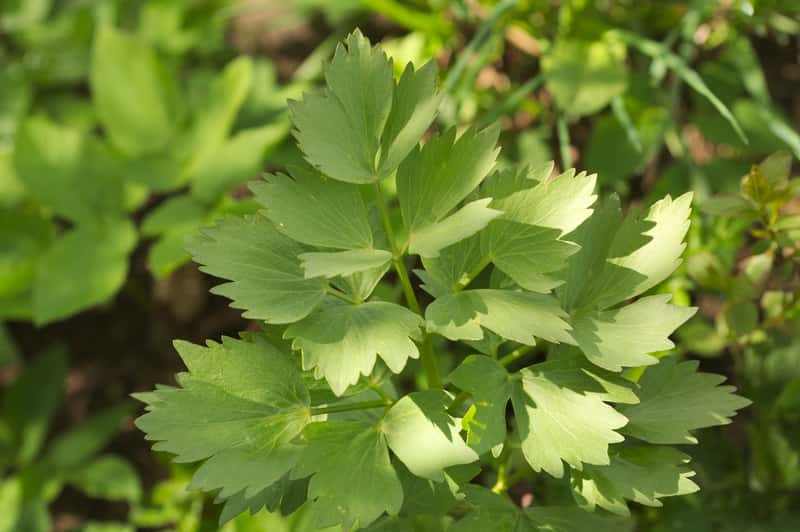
(127, 124)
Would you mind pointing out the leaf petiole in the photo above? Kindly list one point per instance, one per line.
(363, 405)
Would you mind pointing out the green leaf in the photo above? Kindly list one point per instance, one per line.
(464, 223)
(216, 112)
(490, 511)
(676, 399)
(413, 109)
(626, 336)
(642, 253)
(639, 474)
(342, 341)
(266, 278)
(434, 179)
(349, 115)
(110, 478)
(30, 401)
(530, 255)
(343, 263)
(85, 267)
(235, 161)
(139, 115)
(563, 202)
(314, 210)
(65, 170)
(353, 480)
(238, 408)
(558, 420)
(72, 449)
(424, 437)
(585, 76)
(488, 383)
(451, 268)
(175, 213)
(518, 316)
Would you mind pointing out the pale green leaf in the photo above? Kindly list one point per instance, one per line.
(585, 76)
(451, 268)
(349, 115)
(342, 262)
(342, 341)
(465, 222)
(488, 384)
(643, 252)
(314, 210)
(67, 171)
(518, 316)
(424, 437)
(558, 421)
(626, 337)
(676, 399)
(353, 480)
(238, 159)
(85, 267)
(217, 111)
(139, 114)
(563, 202)
(413, 109)
(639, 474)
(434, 179)
(182, 211)
(529, 254)
(261, 263)
(31, 400)
(110, 478)
(238, 408)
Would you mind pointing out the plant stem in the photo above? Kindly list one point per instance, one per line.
(483, 32)
(515, 355)
(428, 358)
(375, 387)
(341, 295)
(363, 405)
(563, 142)
(501, 485)
(457, 403)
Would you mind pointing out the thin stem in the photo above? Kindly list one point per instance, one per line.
(501, 485)
(427, 356)
(563, 142)
(335, 292)
(511, 102)
(364, 405)
(466, 280)
(480, 36)
(458, 402)
(375, 387)
(515, 355)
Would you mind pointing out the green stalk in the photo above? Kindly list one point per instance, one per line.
(515, 355)
(428, 358)
(563, 142)
(364, 405)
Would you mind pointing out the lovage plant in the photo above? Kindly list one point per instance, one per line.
(322, 409)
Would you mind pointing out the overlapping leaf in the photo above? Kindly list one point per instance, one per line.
(342, 341)
(638, 474)
(677, 399)
(237, 409)
(261, 263)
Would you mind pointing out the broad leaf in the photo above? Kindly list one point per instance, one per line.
(139, 114)
(462, 224)
(261, 263)
(434, 179)
(642, 253)
(108, 477)
(638, 474)
(626, 336)
(353, 480)
(558, 421)
(83, 268)
(342, 341)
(584, 76)
(413, 109)
(676, 399)
(343, 263)
(349, 115)
(314, 210)
(424, 436)
(237, 409)
(518, 316)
